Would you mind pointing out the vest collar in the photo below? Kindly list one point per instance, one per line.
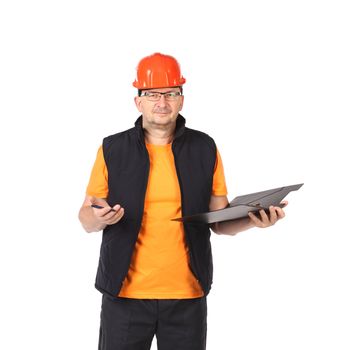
(179, 128)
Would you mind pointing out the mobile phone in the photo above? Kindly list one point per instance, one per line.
(100, 207)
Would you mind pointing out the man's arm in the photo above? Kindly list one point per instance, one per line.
(233, 227)
(94, 220)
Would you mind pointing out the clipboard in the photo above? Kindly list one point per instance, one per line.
(242, 205)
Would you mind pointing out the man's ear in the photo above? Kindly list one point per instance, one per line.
(182, 103)
(137, 101)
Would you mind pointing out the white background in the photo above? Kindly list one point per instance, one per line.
(263, 79)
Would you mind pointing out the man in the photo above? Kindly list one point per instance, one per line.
(155, 273)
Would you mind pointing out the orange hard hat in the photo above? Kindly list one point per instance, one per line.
(158, 71)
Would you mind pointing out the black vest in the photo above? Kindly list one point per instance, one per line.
(127, 161)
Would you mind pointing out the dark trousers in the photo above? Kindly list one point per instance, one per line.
(130, 324)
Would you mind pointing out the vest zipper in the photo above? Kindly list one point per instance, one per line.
(141, 214)
(189, 243)
(145, 182)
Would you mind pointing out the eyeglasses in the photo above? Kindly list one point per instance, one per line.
(156, 96)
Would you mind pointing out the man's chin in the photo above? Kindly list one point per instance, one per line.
(162, 121)
(162, 118)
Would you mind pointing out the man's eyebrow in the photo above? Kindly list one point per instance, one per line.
(165, 92)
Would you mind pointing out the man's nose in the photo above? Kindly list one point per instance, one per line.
(162, 101)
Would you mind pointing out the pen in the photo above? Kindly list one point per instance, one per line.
(100, 207)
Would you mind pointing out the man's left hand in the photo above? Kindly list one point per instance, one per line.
(266, 220)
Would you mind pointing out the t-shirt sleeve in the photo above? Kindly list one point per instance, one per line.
(98, 183)
(219, 185)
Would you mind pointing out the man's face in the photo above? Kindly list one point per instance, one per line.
(159, 113)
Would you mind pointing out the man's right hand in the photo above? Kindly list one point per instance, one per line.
(94, 219)
(108, 215)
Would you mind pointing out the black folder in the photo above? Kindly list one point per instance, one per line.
(242, 205)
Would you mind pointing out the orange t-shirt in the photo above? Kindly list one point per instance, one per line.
(159, 268)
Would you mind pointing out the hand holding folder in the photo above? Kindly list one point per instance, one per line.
(242, 205)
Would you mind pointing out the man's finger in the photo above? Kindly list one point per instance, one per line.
(103, 212)
(264, 217)
(280, 213)
(117, 217)
(116, 207)
(284, 204)
(273, 215)
(255, 220)
(106, 212)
